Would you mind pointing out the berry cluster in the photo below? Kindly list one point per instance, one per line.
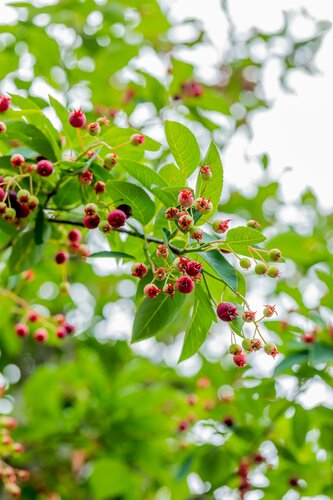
(15, 205)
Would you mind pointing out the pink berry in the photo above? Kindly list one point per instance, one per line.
(226, 311)
(91, 222)
(151, 291)
(77, 118)
(139, 270)
(159, 273)
(99, 187)
(203, 206)
(185, 284)
(41, 335)
(74, 235)
(61, 332)
(220, 225)
(61, 257)
(185, 222)
(44, 168)
(116, 218)
(4, 103)
(271, 349)
(186, 198)
(308, 338)
(193, 268)
(21, 330)
(94, 128)
(269, 311)
(239, 359)
(249, 316)
(162, 251)
(183, 425)
(85, 178)
(33, 316)
(17, 160)
(137, 139)
(192, 89)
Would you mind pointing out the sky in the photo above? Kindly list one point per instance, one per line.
(297, 131)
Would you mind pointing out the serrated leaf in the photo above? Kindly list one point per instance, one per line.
(244, 236)
(212, 189)
(155, 314)
(183, 146)
(110, 255)
(142, 206)
(201, 319)
(145, 175)
(32, 137)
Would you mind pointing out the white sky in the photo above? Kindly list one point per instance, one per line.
(297, 131)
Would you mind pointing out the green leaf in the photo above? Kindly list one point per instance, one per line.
(202, 317)
(32, 137)
(221, 267)
(107, 479)
(63, 114)
(300, 425)
(25, 254)
(183, 146)
(155, 314)
(296, 359)
(145, 175)
(243, 237)
(320, 353)
(125, 192)
(212, 189)
(116, 136)
(110, 255)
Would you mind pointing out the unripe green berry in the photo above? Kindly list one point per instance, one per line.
(3, 207)
(104, 226)
(10, 214)
(23, 196)
(245, 263)
(261, 268)
(246, 344)
(273, 272)
(253, 224)
(110, 160)
(33, 202)
(94, 128)
(270, 348)
(235, 349)
(275, 255)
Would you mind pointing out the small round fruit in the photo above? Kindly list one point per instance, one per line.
(21, 329)
(104, 227)
(126, 209)
(220, 225)
(151, 291)
(226, 311)
(94, 128)
(137, 139)
(245, 263)
(4, 103)
(41, 335)
(261, 268)
(246, 344)
(253, 224)
(10, 214)
(77, 118)
(110, 160)
(33, 202)
(275, 255)
(3, 128)
(235, 349)
(44, 168)
(91, 222)
(240, 360)
(139, 270)
(23, 196)
(185, 285)
(91, 209)
(17, 160)
(117, 218)
(61, 257)
(273, 272)
(74, 235)
(186, 198)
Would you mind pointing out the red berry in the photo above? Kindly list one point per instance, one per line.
(69, 328)
(159, 273)
(139, 270)
(271, 349)
(193, 268)
(2, 194)
(226, 311)
(126, 209)
(99, 187)
(171, 213)
(169, 289)
(256, 344)
(91, 222)
(4, 103)
(162, 251)
(94, 128)
(185, 284)
(228, 421)
(21, 330)
(196, 233)
(61, 257)
(203, 206)
(44, 168)
(239, 359)
(183, 425)
(137, 139)
(77, 118)
(32, 316)
(186, 198)
(116, 218)
(248, 316)
(269, 311)
(17, 160)
(192, 89)
(74, 235)
(309, 338)
(91, 209)
(151, 291)
(191, 399)
(85, 178)
(61, 332)
(185, 222)
(41, 335)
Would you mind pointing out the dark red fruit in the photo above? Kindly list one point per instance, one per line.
(126, 209)
(44, 168)
(61, 257)
(74, 235)
(21, 330)
(226, 311)
(116, 218)
(193, 268)
(77, 118)
(99, 187)
(91, 222)
(41, 335)
(4, 103)
(185, 284)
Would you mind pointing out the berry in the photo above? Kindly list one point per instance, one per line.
(61, 257)
(247, 345)
(159, 273)
(44, 168)
(69, 328)
(33, 202)
(171, 213)
(139, 270)
(185, 222)
(126, 209)
(116, 218)
(137, 139)
(3, 207)
(248, 316)
(309, 338)
(17, 160)
(4, 103)
(192, 89)
(273, 272)
(61, 332)
(91, 222)
(99, 187)
(275, 255)
(196, 233)
(245, 263)
(162, 251)
(94, 128)
(85, 178)
(271, 349)
(186, 198)
(220, 225)
(104, 227)
(228, 421)
(151, 291)
(41, 335)
(269, 311)
(60, 319)
(293, 481)
(180, 263)
(3, 128)
(23, 196)
(226, 311)
(77, 118)
(91, 209)
(169, 289)
(185, 284)
(206, 173)
(193, 268)
(235, 349)
(183, 425)
(110, 160)
(261, 268)
(21, 330)
(10, 214)
(258, 458)
(22, 210)
(253, 224)
(2, 194)
(203, 206)
(74, 235)
(32, 317)
(239, 359)
(256, 344)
